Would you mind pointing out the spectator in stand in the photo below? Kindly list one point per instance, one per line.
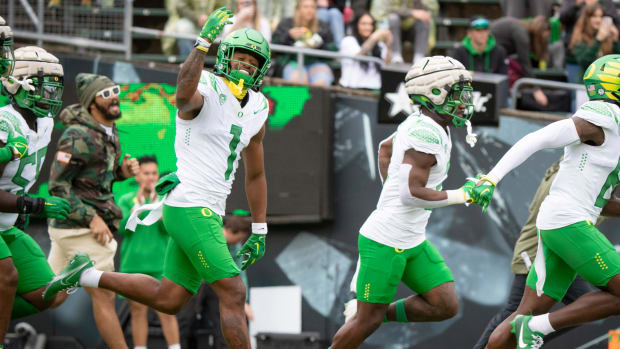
(366, 40)
(571, 10)
(594, 36)
(479, 51)
(329, 13)
(519, 38)
(143, 252)
(248, 16)
(523, 8)
(187, 17)
(276, 10)
(414, 19)
(569, 13)
(305, 30)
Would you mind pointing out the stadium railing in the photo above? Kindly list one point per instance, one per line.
(107, 28)
(300, 52)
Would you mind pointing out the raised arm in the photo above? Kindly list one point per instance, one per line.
(188, 100)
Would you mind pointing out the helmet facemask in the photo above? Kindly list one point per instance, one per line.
(7, 58)
(248, 41)
(43, 97)
(236, 75)
(461, 94)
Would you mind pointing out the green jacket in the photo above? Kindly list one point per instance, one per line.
(586, 54)
(84, 169)
(142, 251)
(491, 60)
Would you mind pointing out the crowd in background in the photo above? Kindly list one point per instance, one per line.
(563, 35)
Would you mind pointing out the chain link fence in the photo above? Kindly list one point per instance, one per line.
(100, 24)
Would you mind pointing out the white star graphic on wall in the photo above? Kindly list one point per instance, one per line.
(399, 101)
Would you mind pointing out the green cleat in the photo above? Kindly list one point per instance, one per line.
(526, 338)
(69, 278)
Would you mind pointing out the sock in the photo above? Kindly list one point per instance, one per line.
(401, 314)
(541, 324)
(90, 277)
(139, 347)
(22, 307)
(174, 346)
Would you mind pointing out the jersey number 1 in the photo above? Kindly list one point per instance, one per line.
(236, 132)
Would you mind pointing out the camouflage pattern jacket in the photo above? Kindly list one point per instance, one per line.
(84, 168)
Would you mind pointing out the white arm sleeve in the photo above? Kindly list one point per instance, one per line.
(556, 135)
(454, 196)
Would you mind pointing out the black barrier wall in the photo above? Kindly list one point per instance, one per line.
(321, 257)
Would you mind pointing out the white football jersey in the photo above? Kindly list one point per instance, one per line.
(208, 148)
(587, 175)
(20, 175)
(393, 223)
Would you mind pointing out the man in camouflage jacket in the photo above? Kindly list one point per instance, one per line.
(85, 166)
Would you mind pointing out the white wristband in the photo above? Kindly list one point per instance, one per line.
(202, 44)
(456, 196)
(259, 228)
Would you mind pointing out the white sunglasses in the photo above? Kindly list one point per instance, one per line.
(109, 92)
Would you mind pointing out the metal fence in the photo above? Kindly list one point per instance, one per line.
(100, 24)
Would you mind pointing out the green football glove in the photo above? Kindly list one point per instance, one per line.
(482, 193)
(467, 187)
(16, 145)
(55, 207)
(215, 23)
(252, 250)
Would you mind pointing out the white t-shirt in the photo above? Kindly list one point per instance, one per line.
(109, 130)
(353, 74)
(264, 28)
(392, 223)
(588, 174)
(20, 175)
(208, 148)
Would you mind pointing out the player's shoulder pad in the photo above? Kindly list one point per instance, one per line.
(424, 131)
(209, 80)
(600, 113)
(261, 104)
(10, 119)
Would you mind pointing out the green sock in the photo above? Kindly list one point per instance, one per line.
(401, 314)
(21, 308)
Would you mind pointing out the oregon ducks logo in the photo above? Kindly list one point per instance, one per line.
(206, 212)
(399, 250)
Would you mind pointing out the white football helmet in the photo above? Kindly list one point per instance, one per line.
(441, 84)
(6, 49)
(37, 81)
